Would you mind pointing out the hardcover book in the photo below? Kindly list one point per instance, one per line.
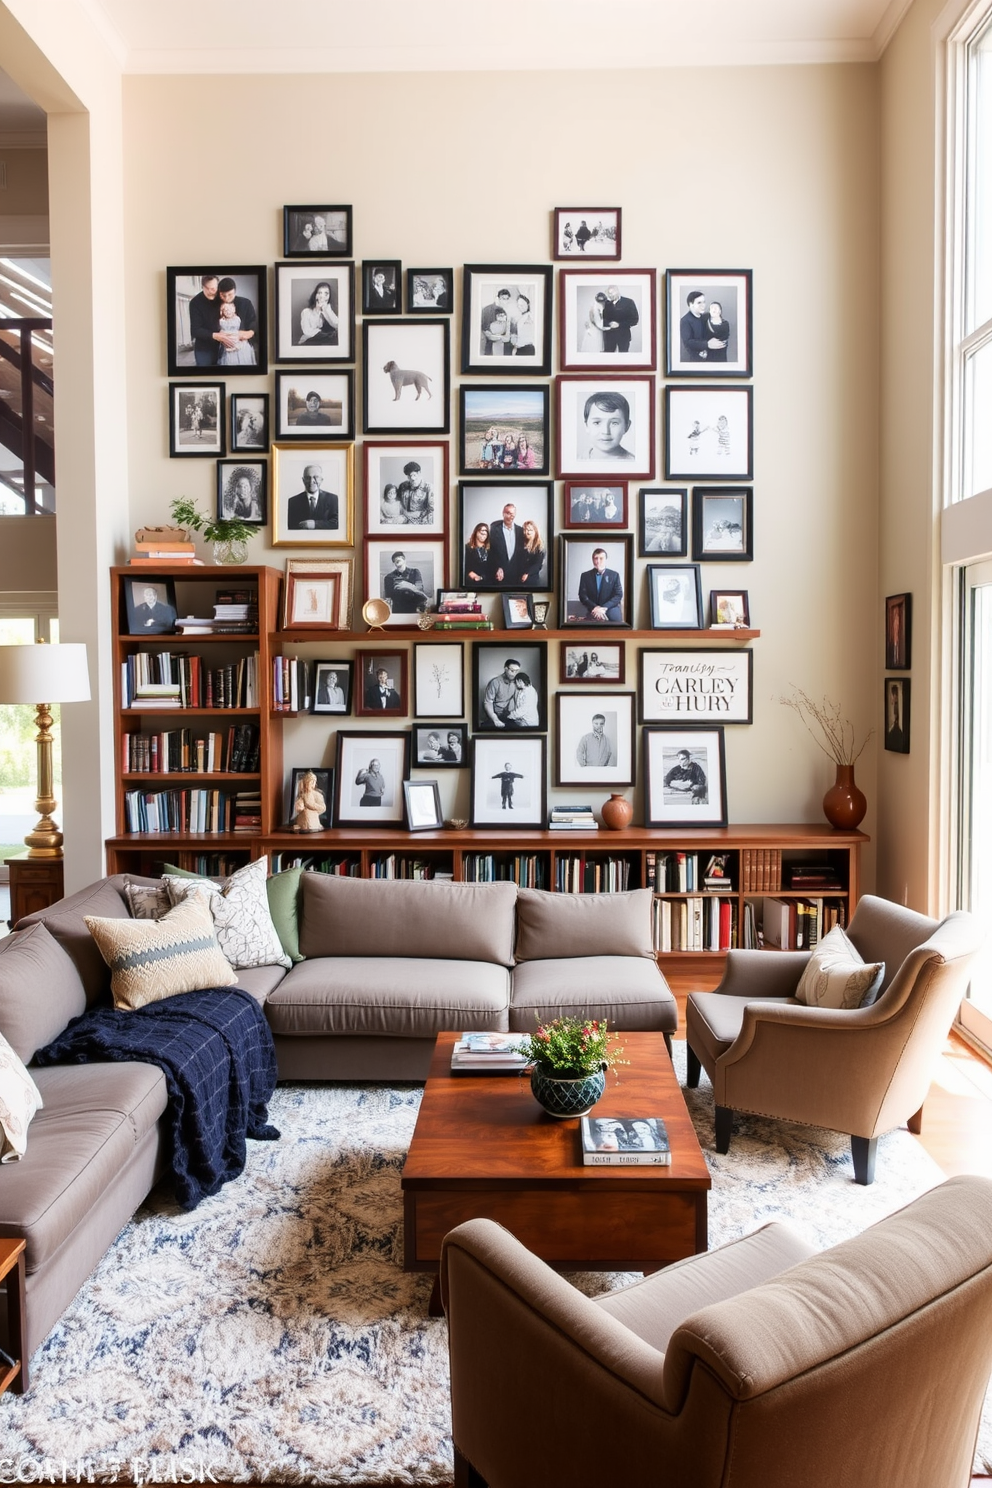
(624, 1141)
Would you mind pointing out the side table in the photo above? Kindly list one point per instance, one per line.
(14, 1375)
(35, 883)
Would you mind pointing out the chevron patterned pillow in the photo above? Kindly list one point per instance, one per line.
(150, 960)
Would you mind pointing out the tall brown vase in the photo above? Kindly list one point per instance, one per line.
(844, 805)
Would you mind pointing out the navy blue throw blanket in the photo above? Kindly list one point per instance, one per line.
(216, 1051)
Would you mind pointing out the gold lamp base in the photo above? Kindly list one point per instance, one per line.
(45, 839)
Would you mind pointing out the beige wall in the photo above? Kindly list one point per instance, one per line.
(27, 555)
(773, 169)
(26, 193)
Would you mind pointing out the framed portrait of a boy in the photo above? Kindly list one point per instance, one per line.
(708, 433)
(596, 579)
(313, 492)
(595, 739)
(607, 320)
(315, 312)
(606, 426)
(315, 405)
(216, 319)
(685, 777)
(506, 319)
(406, 487)
(196, 420)
(406, 376)
(708, 321)
(509, 782)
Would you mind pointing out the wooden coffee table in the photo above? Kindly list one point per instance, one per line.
(483, 1148)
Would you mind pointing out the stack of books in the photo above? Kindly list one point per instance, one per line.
(150, 553)
(156, 695)
(236, 612)
(460, 611)
(195, 625)
(247, 811)
(624, 1141)
(488, 1054)
(572, 819)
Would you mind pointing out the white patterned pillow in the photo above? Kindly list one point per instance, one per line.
(837, 977)
(151, 960)
(19, 1099)
(242, 920)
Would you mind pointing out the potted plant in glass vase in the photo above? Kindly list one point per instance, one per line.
(229, 536)
(569, 1058)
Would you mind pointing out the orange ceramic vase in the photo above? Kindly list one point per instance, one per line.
(844, 805)
(617, 813)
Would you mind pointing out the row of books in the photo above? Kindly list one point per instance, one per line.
(292, 684)
(398, 865)
(761, 870)
(164, 680)
(316, 863)
(798, 924)
(177, 751)
(601, 875)
(820, 877)
(682, 872)
(704, 923)
(191, 810)
(528, 870)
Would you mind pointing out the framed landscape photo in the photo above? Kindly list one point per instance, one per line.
(897, 697)
(586, 232)
(509, 686)
(315, 312)
(708, 433)
(438, 680)
(722, 524)
(380, 684)
(607, 320)
(675, 594)
(315, 587)
(406, 572)
(729, 609)
(406, 376)
(509, 782)
(242, 489)
(595, 504)
(311, 797)
(898, 632)
(249, 421)
(663, 522)
(313, 495)
(594, 739)
(372, 767)
(606, 426)
(422, 800)
(505, 429)
(685, 777)
(317, 230)
(695, 686)
(196, 419)
(429, 290)
(506, 319)
(708, 322)
(382, 286)
(332, 687)
(197, 301)
(406, 487)
(506, 534)
(150, 605)
(441, 746)
(596, 579)
(315, 405)
(598, 663)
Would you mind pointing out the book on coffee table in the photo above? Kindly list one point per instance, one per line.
(624, 1141)
(493, 1053)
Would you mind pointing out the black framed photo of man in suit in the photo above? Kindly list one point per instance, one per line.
(382, 687)
(151, 606)
(596, 579)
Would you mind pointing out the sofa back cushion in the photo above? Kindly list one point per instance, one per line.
(40, 990)
(390, 917)
(64, 920)
(554, 926)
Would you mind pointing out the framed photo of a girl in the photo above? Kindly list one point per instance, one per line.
(315, 312)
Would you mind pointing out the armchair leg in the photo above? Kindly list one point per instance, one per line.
(465, 1474)
(915, 1122)
(863, 1155)
(723, 1125)
(692, 1068)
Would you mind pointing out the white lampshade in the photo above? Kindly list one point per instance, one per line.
(44, 674)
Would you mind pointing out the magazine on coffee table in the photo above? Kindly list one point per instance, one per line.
(624, 1141)
(492, 1053)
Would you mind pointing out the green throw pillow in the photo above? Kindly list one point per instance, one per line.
(283, 890)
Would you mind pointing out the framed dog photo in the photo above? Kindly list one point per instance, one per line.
(606, 426)
(586, 232)
(509, 782)
(675, 593)
(595, 739)
(315, 405)
(509, 686)
(507, 534)
(897, 697)
(441, 746)
(596, 583)
(595, 504)
(196, 419)
(898, 632)
(584, 664)
(313, 495)
(150, 606)
(216, 319)
(382, 286)
(685, 777)
(722, 524)
(429, 290)
(438, 684)
(729, 609)
(249, 422)
(607, 320)
(505, 428)
(407, 376)
(332, 687)
(380, 684)
(315, 312)
(708, 433)
(323, 230)
(242, 490)
(311, 799)
(506, 319)
(695, 686)
(372, 767)
(406, 486)
(406, 573)
(663, 522)
(708, 322)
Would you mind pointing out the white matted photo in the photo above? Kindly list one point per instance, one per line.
(371, 770)
(606, 426)
(315, 405)
(708, 433)
(406, 485)
(196, 419)
(438, 679)
(685, 777)
(595, 739)
(697, 686)
(315, 312)
(312, 495)
(709, 323)
(586, 232)
(607, 319)
(508, 782)
(407, 573)
(506, 319)
(407, 376)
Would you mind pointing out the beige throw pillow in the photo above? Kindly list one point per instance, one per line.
(19, 1099)
(150, 960)
(836, 977)
(241, 915)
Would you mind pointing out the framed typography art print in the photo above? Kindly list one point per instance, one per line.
(697, 686)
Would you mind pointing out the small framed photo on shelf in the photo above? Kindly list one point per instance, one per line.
(675, 592)
(607, 320)
(438, 679)
(595, 739)
(315, 405)
(509, 687)
(241, 491)
(585, 664)
(596, 579)
(332, 687)
(150, 605)
(313, 495)
(429, 290)
(216, 320)
(518, 611)
(505, 430)
(506, 534)
(407, 376)
(506, 319)
(685, 777)
(249, 422)
(663, 522)
(605, 426)
(315, 312)
(324, 231)
(381, 689)
(509, 782)
(196, 420)
(729, 609)
(372, 767)
(708, 433)
(422, 801)
(586, 232)
(406, 572)
(709, 323)
(442, 746)
(897, 698)
(318, 586)
(311, 798)
(406, 487)
(382, 286)
(722, 524)
(595, 504)
(675, 686)
(898, 632)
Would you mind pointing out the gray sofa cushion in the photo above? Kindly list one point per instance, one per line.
(389, 997)
(259, 980)
(629, 991)
(378, 917)
(553, 925)
(40, 990)
(64, 920)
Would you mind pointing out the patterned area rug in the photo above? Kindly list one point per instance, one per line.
(271, 1336)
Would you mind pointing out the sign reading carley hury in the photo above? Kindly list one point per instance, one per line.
(695, 686)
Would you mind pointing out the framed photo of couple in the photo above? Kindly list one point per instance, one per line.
(506, 319)
(709, 323)
(607, 320)
(509, 687)
(216, 319)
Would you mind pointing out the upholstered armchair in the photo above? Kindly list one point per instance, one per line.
(756, 1365)
(861, 1071)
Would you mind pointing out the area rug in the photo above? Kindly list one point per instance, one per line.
(272, 1336)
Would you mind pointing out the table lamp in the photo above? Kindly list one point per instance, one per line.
(60, 674)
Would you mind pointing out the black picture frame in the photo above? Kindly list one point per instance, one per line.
(675, 596)
(325, 785)
(192, 318)
(580, 663)
(697, 684)
(301, 332)
(422, 805)
(663, 522)
(406, 376)
(330, 677)
(518, 611)
(450, 751)
(896, 705)
(313, 403)
(898, 632)
(489, 288)
(234, 498)
(430, 291)
(483, 503)
(729, 609)
(521, 800)
(150, 617)
(709, 433)
(577, 590)
(722, 524)
(693, 355)
(357, 750)
(511, 413)
(579, 745)
(337, 228)
(386, 299)
(701, 798)
(496, 666)
(251, 423)
(196, 420)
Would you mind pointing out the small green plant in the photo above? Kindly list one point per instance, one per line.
(185, 513)
(568, 1048)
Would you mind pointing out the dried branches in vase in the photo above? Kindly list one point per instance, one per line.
(844, 805)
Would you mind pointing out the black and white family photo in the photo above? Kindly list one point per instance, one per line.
(509, 682)
(405, 486)
(429, 289)
(506, 325)
(709, 323)
(602, 663)
(595, 505)
(216, 320)
(507, 534)
(440, 745)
